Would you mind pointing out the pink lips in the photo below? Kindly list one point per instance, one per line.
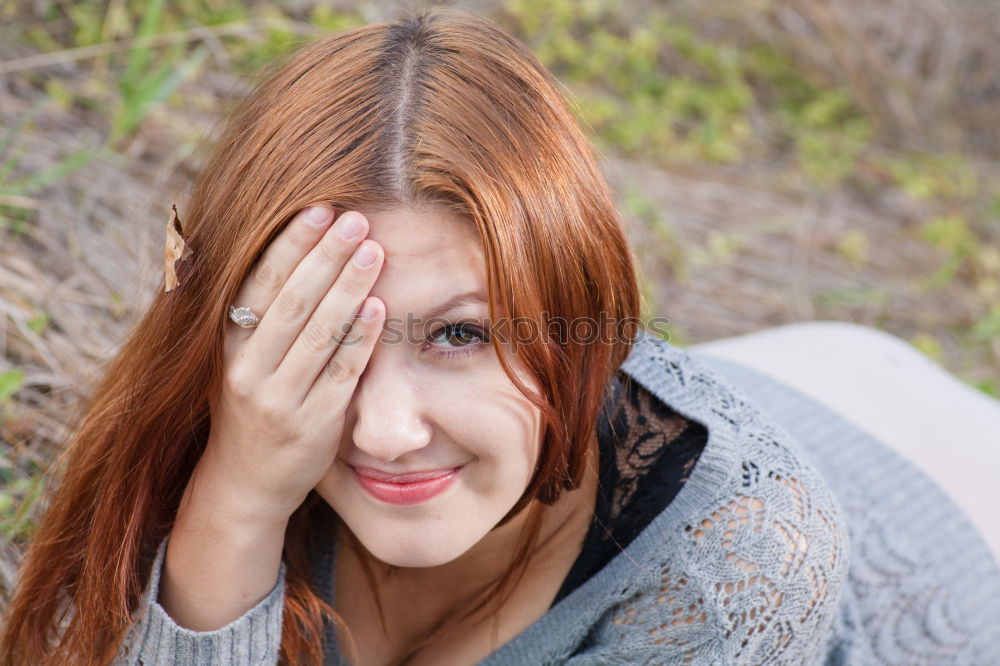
(404, 489)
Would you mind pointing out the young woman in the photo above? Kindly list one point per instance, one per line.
(398, 411)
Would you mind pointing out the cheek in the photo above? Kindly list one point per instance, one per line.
(508, 426)
(482, 413)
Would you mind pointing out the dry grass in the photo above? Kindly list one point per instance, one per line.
(928, 72)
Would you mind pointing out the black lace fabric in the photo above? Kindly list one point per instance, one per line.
(647, 451)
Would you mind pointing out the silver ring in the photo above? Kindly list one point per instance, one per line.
(243, 316)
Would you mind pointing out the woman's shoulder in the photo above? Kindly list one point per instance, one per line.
(749, 456)
(748, 561)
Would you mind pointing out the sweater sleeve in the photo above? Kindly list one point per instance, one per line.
(756, 578)
(154, 637)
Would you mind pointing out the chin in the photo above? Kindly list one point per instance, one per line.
(412, 548)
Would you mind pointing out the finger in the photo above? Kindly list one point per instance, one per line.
(273, 268)
(292, 309)
(331, 322)
(339, 376)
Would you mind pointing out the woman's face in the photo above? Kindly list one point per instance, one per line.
(432, 399)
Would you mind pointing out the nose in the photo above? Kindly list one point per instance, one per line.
(389, 412)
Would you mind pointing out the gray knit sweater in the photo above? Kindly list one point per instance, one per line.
(797, 538)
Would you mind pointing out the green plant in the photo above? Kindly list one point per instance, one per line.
(928, 344)
(988, 386)
(988, 327)
(828, 132)
(631, 94)
(933, 176)
(14, 191)
(854, 247)
(651, 86)
(10, 383)
(18, 496)
(39, 322)
(853, 296)
(668, 245)
(146, 82)
(952, 234)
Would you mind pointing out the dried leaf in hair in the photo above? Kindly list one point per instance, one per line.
(175, 252)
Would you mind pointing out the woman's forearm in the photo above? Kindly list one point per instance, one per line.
(220, 561)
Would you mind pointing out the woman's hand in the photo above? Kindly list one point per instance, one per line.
(278, 421)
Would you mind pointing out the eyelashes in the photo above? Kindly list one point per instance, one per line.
(469, 338)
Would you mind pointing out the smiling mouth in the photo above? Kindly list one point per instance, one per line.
(409, 477)
(404, 489)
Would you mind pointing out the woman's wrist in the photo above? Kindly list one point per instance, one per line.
(217, 565)
(212, 494)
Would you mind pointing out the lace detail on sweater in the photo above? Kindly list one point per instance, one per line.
(647, 451)
(643, 428)
(754, 577)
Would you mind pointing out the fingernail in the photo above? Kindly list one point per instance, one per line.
(368, 311)
(365, 256)
(319, 216)
(349, 227)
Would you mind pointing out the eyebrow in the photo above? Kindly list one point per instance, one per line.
(467, 298)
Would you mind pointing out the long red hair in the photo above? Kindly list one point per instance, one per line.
(442, 108)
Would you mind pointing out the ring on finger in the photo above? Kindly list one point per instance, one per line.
(243, 316)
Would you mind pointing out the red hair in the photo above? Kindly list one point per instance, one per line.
(441, 109)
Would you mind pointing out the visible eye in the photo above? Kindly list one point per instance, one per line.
(458, 339)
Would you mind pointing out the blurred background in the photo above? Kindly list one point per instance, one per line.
(775, 160)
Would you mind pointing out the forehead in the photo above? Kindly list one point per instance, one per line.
(430, 254)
